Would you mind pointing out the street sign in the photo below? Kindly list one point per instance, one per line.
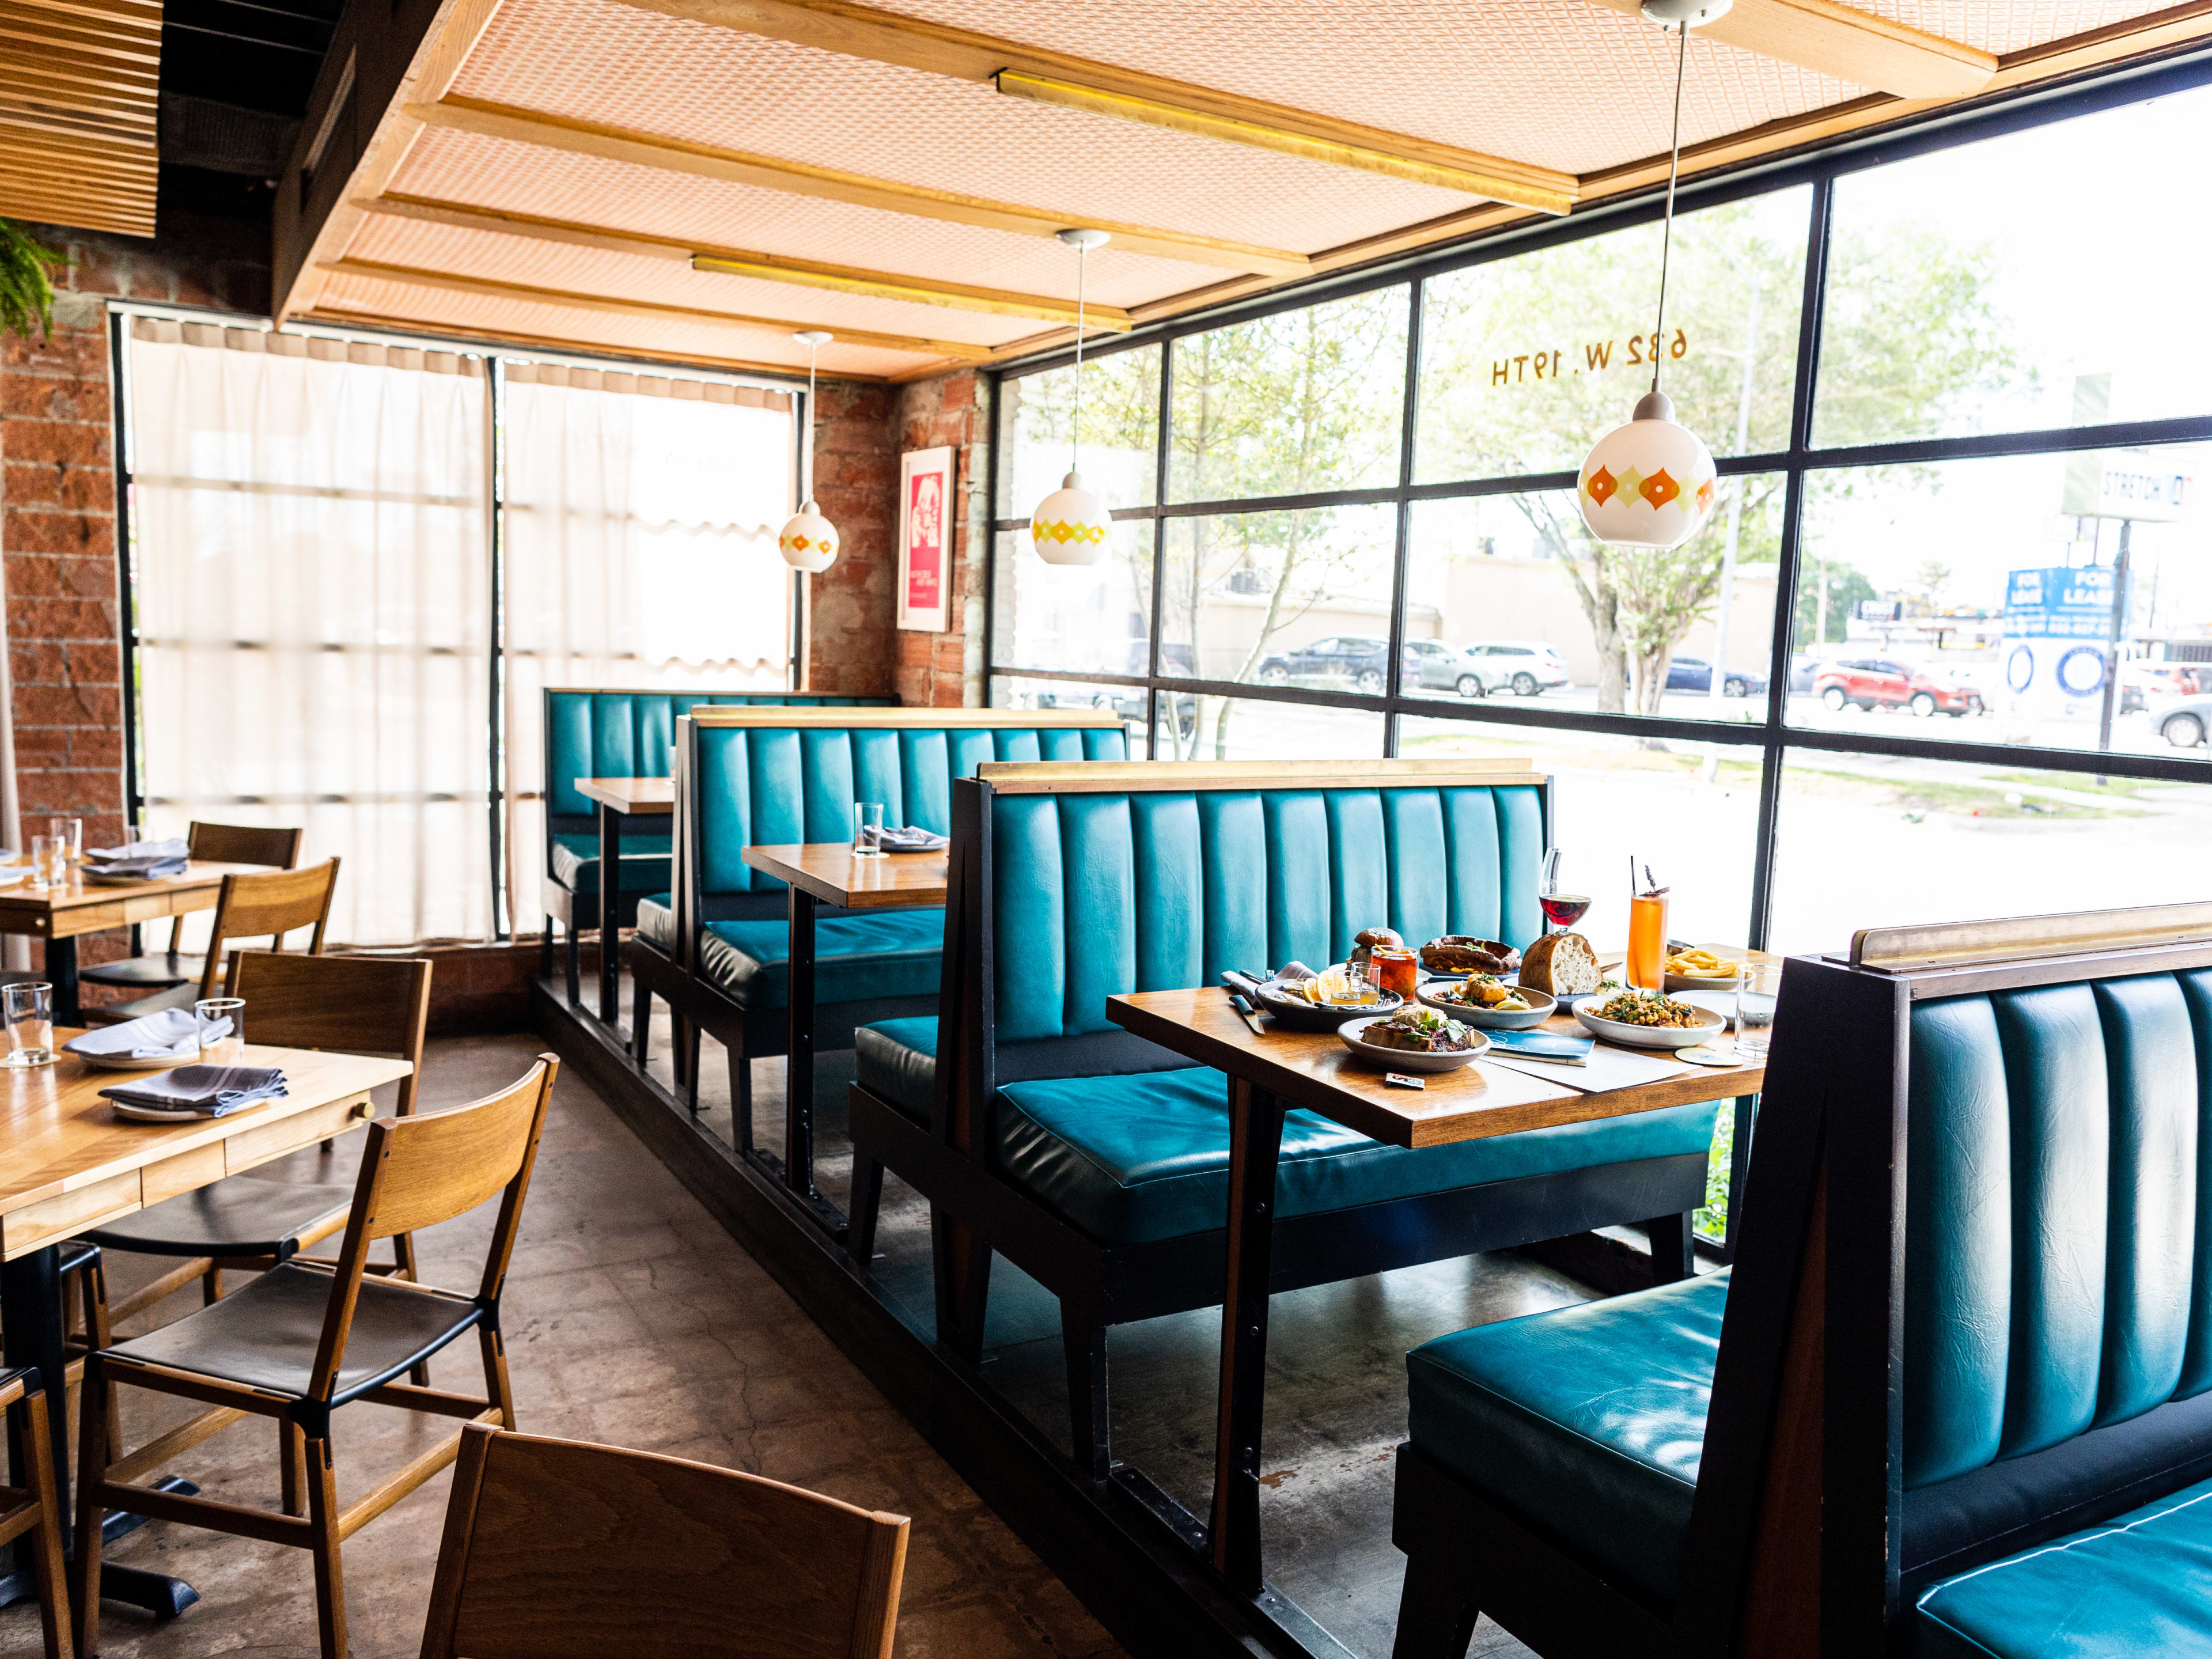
(2142, 484)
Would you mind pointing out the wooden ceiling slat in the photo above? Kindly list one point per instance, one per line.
(740, 262)
(796, 177)
(1853, 45)
(80, 83)
(126, 152)
(138, 17)
(371, 271)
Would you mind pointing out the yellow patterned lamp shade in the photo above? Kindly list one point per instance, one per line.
(808, 541)
(1071, 526)
(1650, 484)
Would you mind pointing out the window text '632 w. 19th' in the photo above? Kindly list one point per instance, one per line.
(1642, 349)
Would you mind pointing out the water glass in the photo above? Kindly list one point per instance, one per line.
(1758, 986)
(68, 837)
(222, 1030)
(867, 830)
(29, 1011)
(43, 861)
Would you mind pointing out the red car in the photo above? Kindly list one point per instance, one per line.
(1871, 683)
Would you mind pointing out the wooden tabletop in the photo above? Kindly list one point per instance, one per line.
(69, 1164)
(827, 869)
(1314, 1070)
(640, 796)
(84, 907)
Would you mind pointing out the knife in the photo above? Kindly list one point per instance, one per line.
(1246, 1012)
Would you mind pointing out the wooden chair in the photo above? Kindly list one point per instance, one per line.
(37, 1510)
(249, 907)
(217, 843)
(711, 1562)
(354, 1004)
(303, 1340)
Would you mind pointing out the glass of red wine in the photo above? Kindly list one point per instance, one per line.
(1560, 908)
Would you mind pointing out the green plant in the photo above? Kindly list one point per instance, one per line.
(27, 293)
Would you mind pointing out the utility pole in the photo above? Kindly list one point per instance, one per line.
(2117, 637)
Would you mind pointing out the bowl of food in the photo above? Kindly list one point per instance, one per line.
(1648, 1019)
(1414, 1039)
(1700, 969)
(1484, 999)
(1322, 1002)
(1463, 953)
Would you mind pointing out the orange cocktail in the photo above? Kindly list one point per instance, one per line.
(1647, 940)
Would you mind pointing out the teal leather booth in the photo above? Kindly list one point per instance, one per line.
(617, 734)
(721, 955)
(1097, 1162)
(1954, 1398)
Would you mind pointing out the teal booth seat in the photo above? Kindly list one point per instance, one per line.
(617, 734)
(756, 779)
(1099, 1163)
(2054, 1406)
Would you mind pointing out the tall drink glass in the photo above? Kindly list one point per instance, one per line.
(1646, 967)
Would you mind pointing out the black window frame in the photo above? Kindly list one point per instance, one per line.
(1773, 737)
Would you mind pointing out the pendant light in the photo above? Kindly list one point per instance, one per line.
(1651, 483)
(808, 541)
(1071, 526)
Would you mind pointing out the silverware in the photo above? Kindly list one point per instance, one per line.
(1247, 1014)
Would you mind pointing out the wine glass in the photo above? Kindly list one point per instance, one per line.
(1561, 908)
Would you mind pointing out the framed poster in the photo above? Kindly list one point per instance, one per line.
(925, 565)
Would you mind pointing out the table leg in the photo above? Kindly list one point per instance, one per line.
(609, 910)
(31, 1334)
(1256, 1145)
(61, 972)
(798, 1087)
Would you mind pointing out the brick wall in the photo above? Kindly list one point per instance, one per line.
(945, 671)
(849, 635)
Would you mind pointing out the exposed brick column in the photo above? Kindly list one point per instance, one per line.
(945, 671)
(849, 624)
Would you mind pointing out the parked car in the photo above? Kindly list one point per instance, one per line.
(2187, 724)
(1696, 674)
(1805, 673)
(1432, 665)
(1362, 658)
(1876, 682)
(1528, 666)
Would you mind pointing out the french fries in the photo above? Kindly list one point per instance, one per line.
(1702, 963)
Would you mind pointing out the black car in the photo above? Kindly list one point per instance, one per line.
(1696, 674)
(1362, 658)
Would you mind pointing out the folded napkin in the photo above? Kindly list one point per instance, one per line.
(148, 859)
(172, 1033)
(198, 1091)
(912, 839)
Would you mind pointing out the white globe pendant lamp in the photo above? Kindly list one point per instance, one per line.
(808, 541)
(1651, 483)
(1072, 524)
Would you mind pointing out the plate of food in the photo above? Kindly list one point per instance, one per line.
(1485, 999)
(1322, 1002)
(1414, 1039)
(1648, 1019)
(1463, 953)
(1700, 969)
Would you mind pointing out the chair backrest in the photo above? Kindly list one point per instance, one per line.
(354, 1004)
(244, 843)
(2004, 1161)
(420, 1171)
(594, 733)
(553, 1549)
(760, 777)
(269, 906)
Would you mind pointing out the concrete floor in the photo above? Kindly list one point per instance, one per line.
(633, 1320)
(1336, 1388)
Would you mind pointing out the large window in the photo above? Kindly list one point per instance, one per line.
(1943, 648)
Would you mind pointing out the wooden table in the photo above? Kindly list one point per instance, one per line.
(817, 873)
(59, 915)
(620, 800)
(1271, 1073)
(68, 1163)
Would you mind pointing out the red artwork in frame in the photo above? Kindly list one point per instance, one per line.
(925, 568)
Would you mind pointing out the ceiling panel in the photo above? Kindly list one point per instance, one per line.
(79, 90)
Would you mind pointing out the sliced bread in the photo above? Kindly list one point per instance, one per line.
(1562, 964)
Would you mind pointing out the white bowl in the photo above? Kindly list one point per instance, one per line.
(1541, 1006)
(1710, 1025)
(1407, 1060)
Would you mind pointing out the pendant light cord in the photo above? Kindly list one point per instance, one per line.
(813, 416)
(1075, 449)
(1667, 238)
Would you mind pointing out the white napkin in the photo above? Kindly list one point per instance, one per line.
(172, 1033)
(141, 852)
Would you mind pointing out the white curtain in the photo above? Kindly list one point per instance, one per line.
(640, 515)
(312, 551)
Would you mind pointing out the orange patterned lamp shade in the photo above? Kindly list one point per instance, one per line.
(1072, 524)
(1650, 484)
(808, 541)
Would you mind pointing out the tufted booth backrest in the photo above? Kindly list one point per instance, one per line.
(1163, 886)
(761, 784)
(629, 734)
(2058, 1240)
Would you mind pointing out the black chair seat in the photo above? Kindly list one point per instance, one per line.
(265, 1335)
(237, 1217)
(155, 973)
